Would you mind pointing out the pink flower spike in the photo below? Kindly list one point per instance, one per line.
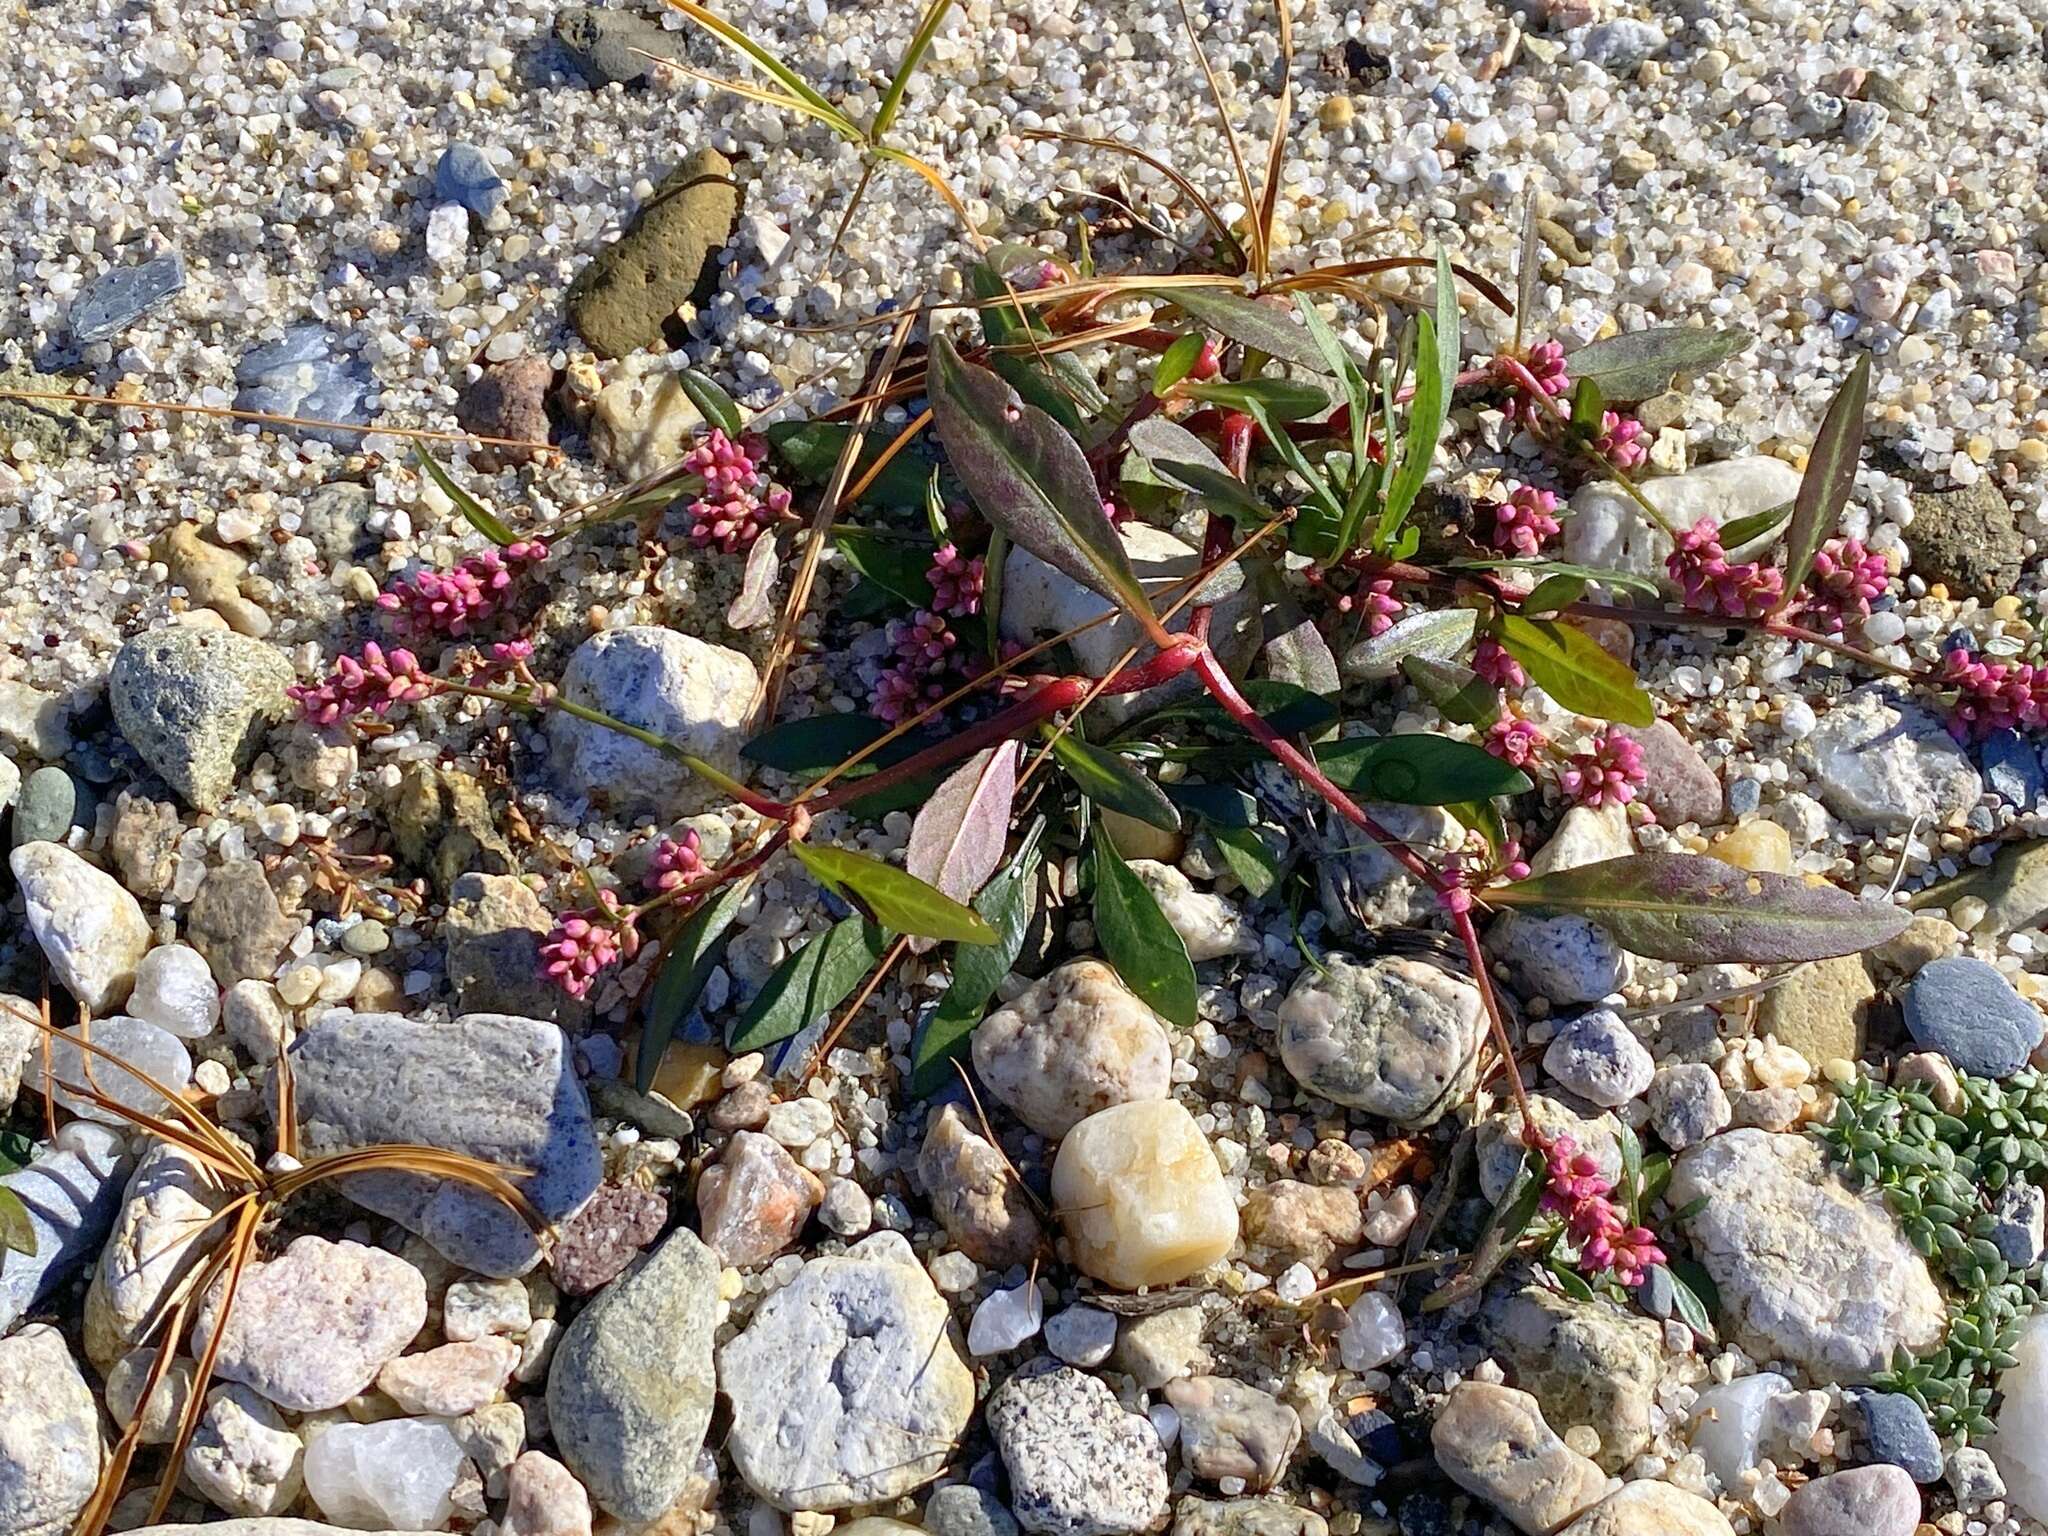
(585, 944)
(1490, 659)
(1847, 578)
(1993, 696)
(1545, 362)
(1607, 773)
(1380, 606)
(1515, 740)
(957, 582)
(370, 684)
(1712, 584)
(1620, 441)
(676, 862)
(1525, 521)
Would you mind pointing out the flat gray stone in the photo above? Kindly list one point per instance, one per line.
(91, 931)
(1882, 760)
(1394, 1036)
(50, 1445)
(195, 703)
(123, 296)
(71, 1201)
(491, 1085)
(1080, 1463)
(631, 1388)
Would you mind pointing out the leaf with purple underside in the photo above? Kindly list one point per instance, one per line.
(1699, 911)
(956, 841)
(1830, 477)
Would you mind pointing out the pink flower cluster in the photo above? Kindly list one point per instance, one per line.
(1993, 696)
(1607, 773)
(676, 862)
(450, 602)
(1545, 362)
(1620, 441)
(1515, 740)
(1474, 866)
(1578, 1191)
(1492, 661)
(957, 581)
(928, 656)
(585, 944)
(372, 683)
(1847, 579)
(730, 515)
(1714, 584)
(1525, 522)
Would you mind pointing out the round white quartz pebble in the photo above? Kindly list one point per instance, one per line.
(1372, 1333)
(1005, 1320)
(393, 1476)
(1297, 1282)
(175, 990)
(1081, 1336)
(153, 1052)
(1727, 1424)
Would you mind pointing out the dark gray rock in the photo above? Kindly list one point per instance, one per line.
(624, 298)
(1967, 540)
(307, 374)
(236, 923)
(336, 518)
(1896, 1433)
(964, 1510)
(49, 807)
(1964, 1009)
(607, 44)
(123, 296)
(2020, 1224)
(463, 175)
(2012, 767)
(195, 704)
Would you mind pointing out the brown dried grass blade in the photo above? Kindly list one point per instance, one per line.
(270, 419)
(228, 1265)
(1276, 160)
(1261, 257)
(431, 1162)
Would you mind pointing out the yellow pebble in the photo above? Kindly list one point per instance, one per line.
(1336, 113)
(2033, 451)
(1762, 847)
(2007, 607)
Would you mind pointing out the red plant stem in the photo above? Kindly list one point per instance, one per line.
(1224, 691)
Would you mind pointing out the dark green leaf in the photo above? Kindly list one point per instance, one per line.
(1699, 911)
(809, 984)
(1028, 477)
(1184, 461)
(1137, 939)
(1175, 363)
(1746, 530)
(1569, 665)
(1288, 708)
(895, 564)
(480, 517)
(1113, 780)
(1830, 476)
(1436, 367)
(811, 449)
(1640, 364)
(17, 1232)
(1616, 581)
(1262, 327)
(1464, 697)
(1058, 383)
(1504, 1229)
(1587, 408)
(1553, 593)
(893, 897)
(693, 954)
(1570, 1281)
(1007, 902)
(16, 1151)
(712, 402)
(1281, 399)
(1218, 804)
(822, 742)
(1418, 770)
(1250, 857)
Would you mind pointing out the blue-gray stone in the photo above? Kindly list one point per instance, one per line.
(71, 1201)
(1659, 1297)
(305, 374)
(1744, 796)
(464, 176)
(1378, 1436)
(2019, 1224)
(123, 296)
(48, 807)
(1896, 1432)
(1969, 1013)
(2013, 770)
(964, 1510)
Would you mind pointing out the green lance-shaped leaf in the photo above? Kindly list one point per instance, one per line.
(1008, 902)
(1699, 911)
(1460, 694)
(809, 984)
(1418, 770)
(1830, 476)
(1568, 664)
(1434, 634)
(1262, 327)
(693, 954)
(1639, 364)
(1029, 477)
(1176, 363)
(479, 516)
(17, 1232)
(890, 896)
(811, 450)
(1184, 461)
(1438, 341)
(1137, 939)
(712, 402)
(1278, 399)
(1113, 780)
(895, 565)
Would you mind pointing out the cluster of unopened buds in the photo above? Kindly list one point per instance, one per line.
(1492, 661)
(1525, 522)
(1714, 584)
(1575, 1189)
(731, 513)
(1993, 696)
(1515, 740)
(1620, 441)
(928, 654)
(957, 581)
(585, 944)
(452, 602)
(1470, 869)
(1847, 578)
(366, 684)
(1545, 362)
(676, 862)
(1608, 772)
(1373, 601)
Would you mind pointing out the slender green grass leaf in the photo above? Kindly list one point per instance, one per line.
(712, 402)
(1747, 530)
(1029, 478)
(1830, 477)
(1262, 327)
(1569, 665)
(1699, 911)
(1631, 1173)
(892, 897)
(1552, 593)
(1336, 359)
(1427, 412)
(693, 954)
(809, 984)
(1464, 697)
(1281, 399)
(1526, 273)
(17, 1232)
(1176, 363)
(1113, 780)
(811, 449)
(1504, 1228)
(480, 517)
(1639, 364)
(1418, 770)
(1449, 321)
(896, 565)
(1614, 581)
(1008, 902)
(791, 81)
(992, 589)
(1137, 939)
(920, 43)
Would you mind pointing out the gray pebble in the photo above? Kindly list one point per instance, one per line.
(123, 296)
(1967, 1011)
(463, 175)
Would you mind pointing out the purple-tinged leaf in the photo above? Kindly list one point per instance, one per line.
(1699, 911)
(1262, 327)
(1830, 476)
(1638, 364)
(1029, 477)
(956, 841)
(752, 607)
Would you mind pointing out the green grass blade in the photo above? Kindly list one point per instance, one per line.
(794, 83)
(920, 44)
